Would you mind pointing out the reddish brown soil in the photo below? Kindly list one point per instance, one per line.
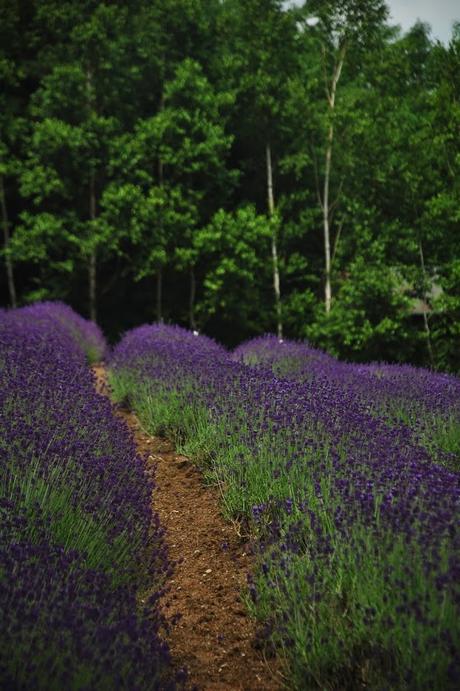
(214, 638)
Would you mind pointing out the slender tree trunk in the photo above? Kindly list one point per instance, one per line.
(160, 173)
(92, 282)
(426, 323)
(159, 295)
(274, 244)
(159, 277)
(92, 265)
(331, 91)
(326, 228)
(6, 242)
(92, 261)
(192, 299)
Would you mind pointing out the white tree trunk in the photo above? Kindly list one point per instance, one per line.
(274, 245)
(331, 91)
(326, 225)
(426, 323)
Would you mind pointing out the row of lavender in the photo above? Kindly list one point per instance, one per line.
(427, 403)
(357, 523)
(78, 540)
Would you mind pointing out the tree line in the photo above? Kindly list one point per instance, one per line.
(238, 166)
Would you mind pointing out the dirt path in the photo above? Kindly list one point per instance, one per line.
(214, 638)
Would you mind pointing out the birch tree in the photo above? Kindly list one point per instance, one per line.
(259, 52)
(341, 26)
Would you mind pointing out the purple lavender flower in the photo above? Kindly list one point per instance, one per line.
(77, 534)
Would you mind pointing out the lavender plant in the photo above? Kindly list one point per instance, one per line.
(78, 540)
(427, 402)
(86, 334)
(357, 528)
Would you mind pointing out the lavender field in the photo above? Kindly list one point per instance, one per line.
(347, 476)
(78, 541)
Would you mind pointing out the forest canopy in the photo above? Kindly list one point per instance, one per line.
(235, 166)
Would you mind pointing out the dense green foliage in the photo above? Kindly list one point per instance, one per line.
(133, 170)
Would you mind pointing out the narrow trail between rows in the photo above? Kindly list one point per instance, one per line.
(213, 637)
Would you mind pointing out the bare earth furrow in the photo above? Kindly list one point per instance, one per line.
(210, 631)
